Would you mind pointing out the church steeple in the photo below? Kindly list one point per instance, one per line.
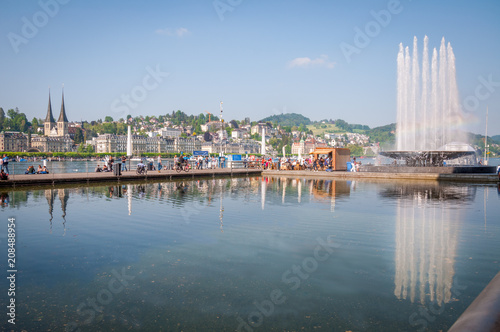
(49, 122)
(62, 122)
(62, 116)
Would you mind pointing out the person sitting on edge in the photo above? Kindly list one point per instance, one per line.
(98, 169)
(3, 175)
(30, 170)
(44, 170)
(105, 168)
(39, 170)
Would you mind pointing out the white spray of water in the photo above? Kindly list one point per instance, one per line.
(428, 107)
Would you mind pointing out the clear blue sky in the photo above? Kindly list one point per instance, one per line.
(259, 57)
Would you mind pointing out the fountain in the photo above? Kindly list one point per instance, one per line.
(428, 109)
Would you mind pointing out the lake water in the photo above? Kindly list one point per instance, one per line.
(251, 254)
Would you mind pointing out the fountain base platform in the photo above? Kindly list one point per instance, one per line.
(426, 158)
(430, 169)
(429, 162)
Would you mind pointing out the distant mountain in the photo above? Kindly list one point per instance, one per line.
(496, 138)
(288, 119)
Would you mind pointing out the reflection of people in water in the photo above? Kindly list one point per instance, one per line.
(142, 191)
(111, 191)
(4, 199)
(182, 187)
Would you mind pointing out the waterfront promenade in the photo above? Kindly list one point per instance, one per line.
(66, 178)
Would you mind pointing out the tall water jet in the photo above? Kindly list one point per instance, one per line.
(428, 108)
(429, 111)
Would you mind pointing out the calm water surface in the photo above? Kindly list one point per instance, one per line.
(251, 254)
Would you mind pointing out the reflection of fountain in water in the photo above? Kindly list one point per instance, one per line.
(426, 243)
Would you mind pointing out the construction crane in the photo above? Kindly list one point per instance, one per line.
(209, 115)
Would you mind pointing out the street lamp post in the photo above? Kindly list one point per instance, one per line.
(221, 129)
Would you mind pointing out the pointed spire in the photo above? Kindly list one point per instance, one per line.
(49, 117)
(62, 116)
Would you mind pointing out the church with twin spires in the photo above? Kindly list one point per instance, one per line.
(56, 137)
(53, 128)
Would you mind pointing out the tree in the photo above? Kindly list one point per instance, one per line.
(2, 118)
(234, 124)
(78, 136)
(207, 137)
(108, 119)
(34, 125)
(356, 150)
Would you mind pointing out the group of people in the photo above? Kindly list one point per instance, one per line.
(40, 170)
(314, 164)
(104, 168)
(202, 162)
(108, 164)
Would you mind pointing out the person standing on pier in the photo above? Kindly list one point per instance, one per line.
(159, 163)
(5, 163)
(124, 163)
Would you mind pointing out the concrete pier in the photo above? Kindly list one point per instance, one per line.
(67, 178)
(458, 177)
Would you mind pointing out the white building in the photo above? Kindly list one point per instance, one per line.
(169, 132)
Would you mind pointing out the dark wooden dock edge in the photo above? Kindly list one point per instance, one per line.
(34, 180)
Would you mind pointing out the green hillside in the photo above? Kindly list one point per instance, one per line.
(288, 119)
(322, 128)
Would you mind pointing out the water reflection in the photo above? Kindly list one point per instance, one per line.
(322, 190)
(427, 227)
(191, 196)
(63, 195)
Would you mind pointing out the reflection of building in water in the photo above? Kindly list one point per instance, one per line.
(426, 240)
(329, 190)
(320, 190)
(49, 195)
(63, 195)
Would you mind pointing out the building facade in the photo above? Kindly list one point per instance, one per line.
(13, 141)
(109, 143)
